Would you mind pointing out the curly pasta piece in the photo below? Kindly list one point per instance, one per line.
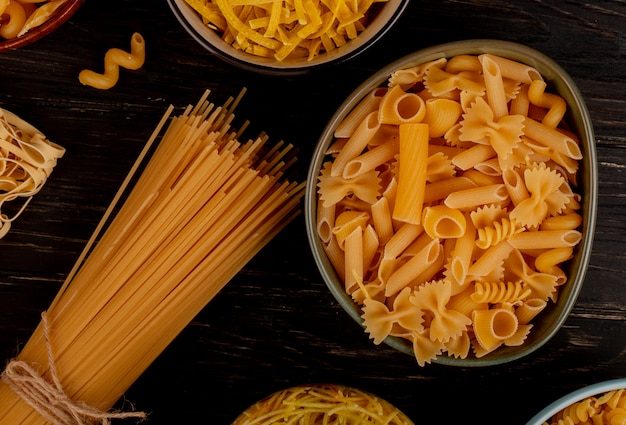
(113, 60)
(499, 292)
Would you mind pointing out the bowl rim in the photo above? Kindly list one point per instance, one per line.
(576, 396)
(61, 16)
(182, 11)
(553, 73)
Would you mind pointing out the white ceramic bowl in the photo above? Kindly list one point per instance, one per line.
(385, 17)
(550, 321)
(574, 397)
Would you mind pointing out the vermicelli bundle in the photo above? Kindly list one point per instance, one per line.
(323, 405)
(204, 205)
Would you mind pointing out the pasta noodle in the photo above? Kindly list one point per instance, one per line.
(202, 207)
(23, 16)
(322, 404)
(27, 158)
(287, 29)
(608, 408)
(474, 217)
(115, 58)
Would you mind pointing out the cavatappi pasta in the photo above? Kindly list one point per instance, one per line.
(322, 405)
(204, 204)
(285, 29)
(465, 173)
(115, 58)
(17, 17)
(27, 159)
(602, 409)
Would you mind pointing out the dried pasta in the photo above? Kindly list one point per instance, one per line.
(115, 58)
(23, 16)
(322, 404)
(474, 203)
(608, 408)
(203, 205)
(286, 29)
(27, 158)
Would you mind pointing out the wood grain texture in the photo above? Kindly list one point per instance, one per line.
(276, 324)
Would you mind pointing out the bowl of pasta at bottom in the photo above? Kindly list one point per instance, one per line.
(453, 255)
(321, 404)
(603, 402)
(32, 21)
(319, 39)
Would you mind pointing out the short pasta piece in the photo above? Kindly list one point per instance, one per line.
(115, 58)
(466, 203)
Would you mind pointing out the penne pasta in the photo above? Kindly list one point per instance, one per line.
(367, 105)
(545, 239)
(474, 197)
(356, 143)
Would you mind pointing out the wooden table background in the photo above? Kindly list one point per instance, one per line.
(276, 325)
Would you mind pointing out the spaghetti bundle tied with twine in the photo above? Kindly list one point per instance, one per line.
(203, 206)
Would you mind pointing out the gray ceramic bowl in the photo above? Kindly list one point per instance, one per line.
(385, 17)
(574, 397)
(551, 319)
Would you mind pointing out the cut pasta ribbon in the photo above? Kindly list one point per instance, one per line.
(202, 207)
(466, 205)
(115, 58)
(284, 30)
(27, 159)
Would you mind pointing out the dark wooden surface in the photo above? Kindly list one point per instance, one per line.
(276, 325)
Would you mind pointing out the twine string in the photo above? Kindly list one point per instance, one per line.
(48, 397)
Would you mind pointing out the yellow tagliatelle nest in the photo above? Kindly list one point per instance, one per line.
(285, 29)
(27, 158)
(322, 404)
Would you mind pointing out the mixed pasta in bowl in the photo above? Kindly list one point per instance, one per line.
(286, 37)
(451, 202)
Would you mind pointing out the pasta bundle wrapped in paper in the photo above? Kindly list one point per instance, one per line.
(204, 205)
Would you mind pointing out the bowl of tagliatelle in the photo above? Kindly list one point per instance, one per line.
(451, 202)
(322, 404)
(602, 403)
(286, 37)
(23, 22)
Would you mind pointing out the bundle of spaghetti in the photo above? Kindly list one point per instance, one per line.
(202, 207)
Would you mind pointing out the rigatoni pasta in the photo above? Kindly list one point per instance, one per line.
(477, 210)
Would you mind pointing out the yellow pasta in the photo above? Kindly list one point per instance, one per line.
(322, 404)
(398, 107)
(115, 58)
(353, 259)
(441, 115)
(492, 327)
(286, 29)
(555, 104)
(412, 174)
(199, 211)
(474, 211)
(499, 292)
(443, 222)
(367, 105)
(474, 197)
(608, 408)
(494, 87)
(27, 158)
(356, 143)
